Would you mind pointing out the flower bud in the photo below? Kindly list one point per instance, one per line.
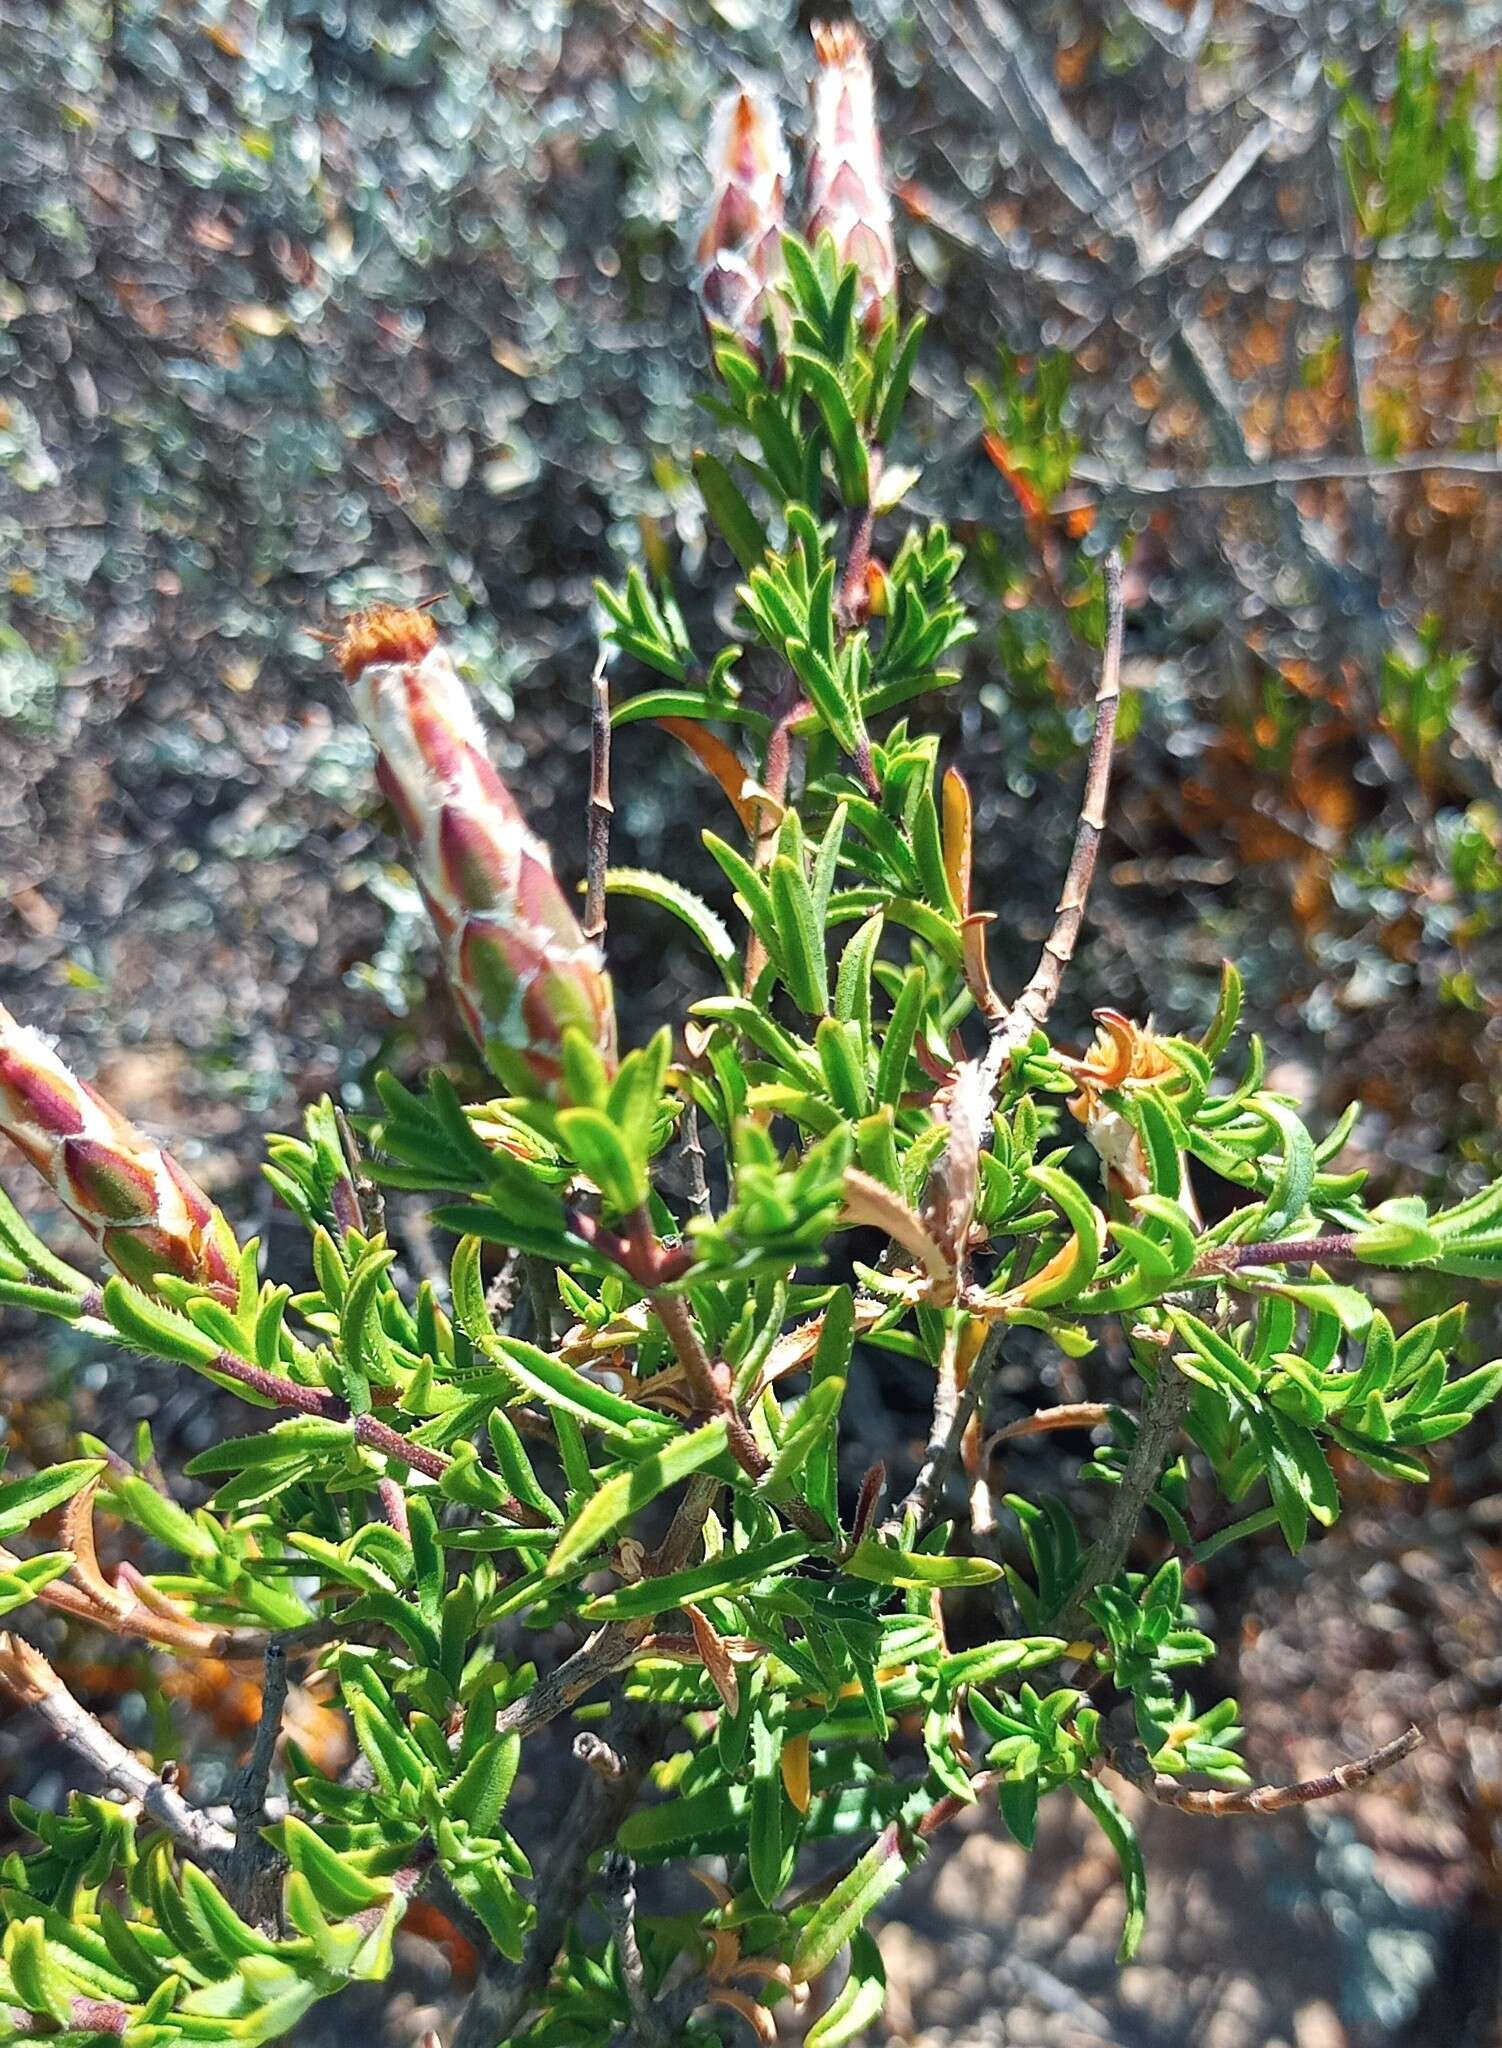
(847, 193)
(521, 970)
(143, 1211)
(741, 246)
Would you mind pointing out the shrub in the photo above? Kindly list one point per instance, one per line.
(623, 1416)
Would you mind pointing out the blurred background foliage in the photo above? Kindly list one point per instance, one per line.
(309, 302)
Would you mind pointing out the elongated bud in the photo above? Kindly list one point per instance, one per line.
(143, 1211)
(521, 970)
(741, 246)
(847, 193)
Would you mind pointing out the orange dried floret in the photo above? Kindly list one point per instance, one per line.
(387, 632)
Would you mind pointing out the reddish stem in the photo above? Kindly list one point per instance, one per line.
(1301, 1251)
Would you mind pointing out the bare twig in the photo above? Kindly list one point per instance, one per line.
(1158, 1426)
(670, 2015)
(1286, 469)
(618, 1891)
(1186, 229)
(1132, 1762)
(607, 1651)
(693, 1152)
(601, 809)
(252, 1864)
(594, 1751)
(506, 1991)
(954, 1405)
(710, 1384)
(616, 1646)
(28, 1679)
(1032, 1007)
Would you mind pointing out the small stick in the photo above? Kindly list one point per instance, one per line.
(251, 1861)
(1032, 1007)
(953, 1410)
(27, 1678)
(601, 810)
(693, 1152)
(1261, 1799)
(618, 1890)
(1163, 1413)
(596, 1754)
(368, 1430)
(709, 1385)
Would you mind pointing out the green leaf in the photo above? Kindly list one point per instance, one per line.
(851, 468)
(360, 1353)
(1085, 1221)
(813, 1424)
(861, 1999)
(479, 1795)
(755, 897)
(597, 1146)
(688, 908)
(727, 1573)
(726, 505)
(628, 1492)
(800, 936)
(23, 1500)
(159, 1331)
(897, 1042)
(338, 1887)
(539, 1374)
(766, 1855)
(885, 1565)
(898, 381)
(1122, 1836)
(838, 1916)
(1288, 1197)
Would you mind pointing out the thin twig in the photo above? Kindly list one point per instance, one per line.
(710, 1385)
(618, 1892)
(1283, 470)
(1303, 1251)
(505, 1991)
(27, 1678)
(601, 809)
(670, 2015)
(953, 1408)
(693, 1152)
(251, 1866)
(616, 1646)
(1031, 1009)
(1132, 1762)
(1158, 1426)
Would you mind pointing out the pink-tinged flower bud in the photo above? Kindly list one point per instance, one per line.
(741, 246)
(143, 1211)
(847, 193)
(521, 970)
